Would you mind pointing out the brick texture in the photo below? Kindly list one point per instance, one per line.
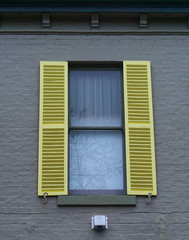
(22, 213)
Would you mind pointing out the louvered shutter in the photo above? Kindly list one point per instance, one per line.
(53, 129)
(139, 130)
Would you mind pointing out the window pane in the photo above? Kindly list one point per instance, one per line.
(96, 160)
(95, 98)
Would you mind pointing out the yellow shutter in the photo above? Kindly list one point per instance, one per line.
(139, 130)
(53, 129)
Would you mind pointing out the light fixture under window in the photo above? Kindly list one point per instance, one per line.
(99, 222)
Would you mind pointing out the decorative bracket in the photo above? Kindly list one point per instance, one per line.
(46, 21)
(94, 21)
(143, 21)
(45, 195)
(149, 199)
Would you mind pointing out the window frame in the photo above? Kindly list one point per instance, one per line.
(98, 67)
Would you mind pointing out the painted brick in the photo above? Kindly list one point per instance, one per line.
(22, 213)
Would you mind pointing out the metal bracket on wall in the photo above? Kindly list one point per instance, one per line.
(45, 195)
(143, 21)
(149, 199)
(94, 21)
(46, 21)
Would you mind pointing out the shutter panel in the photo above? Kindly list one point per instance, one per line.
(140, 151)
(53, 129)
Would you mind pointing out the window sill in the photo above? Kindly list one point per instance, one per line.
(97, 200)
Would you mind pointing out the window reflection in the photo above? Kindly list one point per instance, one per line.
(96, 160)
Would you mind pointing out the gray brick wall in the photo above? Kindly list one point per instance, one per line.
(22, 213)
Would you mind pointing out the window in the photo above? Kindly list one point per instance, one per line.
(96, 140)
(90, 129)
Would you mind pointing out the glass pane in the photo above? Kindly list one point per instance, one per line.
(96, 160)
(95, 98)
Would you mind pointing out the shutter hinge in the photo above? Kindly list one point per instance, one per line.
(149, 199)
(45, 195)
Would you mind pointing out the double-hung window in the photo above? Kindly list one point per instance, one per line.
(96, 130)
(96, 139)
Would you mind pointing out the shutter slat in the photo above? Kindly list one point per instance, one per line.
(140, 153)
(53, 129)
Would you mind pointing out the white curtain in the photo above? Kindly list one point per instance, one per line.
(95, 98)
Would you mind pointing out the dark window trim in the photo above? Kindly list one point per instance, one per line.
(95, 64)
(110, 66)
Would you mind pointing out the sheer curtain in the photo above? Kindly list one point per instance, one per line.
(95, 156)
(95, 98)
